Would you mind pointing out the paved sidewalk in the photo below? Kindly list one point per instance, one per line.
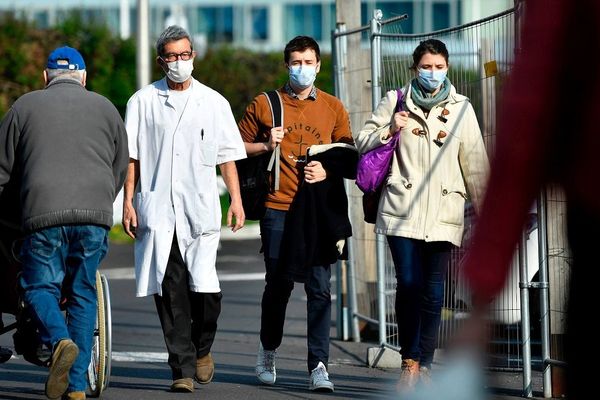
(348, 365)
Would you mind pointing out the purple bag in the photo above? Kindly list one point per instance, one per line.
(374, 165)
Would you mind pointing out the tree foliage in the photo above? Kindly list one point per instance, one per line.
(21, 52)
(110, 61)
(238, 74)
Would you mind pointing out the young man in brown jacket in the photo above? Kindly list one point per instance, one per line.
(311, 117)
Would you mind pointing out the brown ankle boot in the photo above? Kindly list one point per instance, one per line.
(74, 396)
(63, 356)
(205, 369)
(409, 375)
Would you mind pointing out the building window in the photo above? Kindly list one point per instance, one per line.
(260, 23)
(304, 20)
(41, 19)
(216, 23)
(441, 16)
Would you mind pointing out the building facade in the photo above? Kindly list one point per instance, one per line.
(258, 24)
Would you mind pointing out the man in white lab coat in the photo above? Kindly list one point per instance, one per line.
(179, 131)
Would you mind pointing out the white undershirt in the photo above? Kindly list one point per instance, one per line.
(178, 99)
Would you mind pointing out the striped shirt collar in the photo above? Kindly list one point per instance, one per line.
(312, 95)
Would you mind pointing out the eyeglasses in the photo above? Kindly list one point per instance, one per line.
(185, 56)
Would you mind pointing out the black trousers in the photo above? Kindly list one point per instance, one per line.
(277, 293)
(188, 319)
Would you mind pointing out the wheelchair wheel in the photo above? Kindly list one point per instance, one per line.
(100, 363)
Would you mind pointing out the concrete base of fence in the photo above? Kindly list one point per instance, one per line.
(383, 357)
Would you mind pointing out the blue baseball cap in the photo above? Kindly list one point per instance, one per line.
(65, 58)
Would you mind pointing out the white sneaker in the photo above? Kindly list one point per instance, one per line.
(265, 365)
(319, 379)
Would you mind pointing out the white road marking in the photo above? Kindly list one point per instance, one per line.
(250, 276)
(137, 356)
(162, 357)
(128, 274)
(114, 274)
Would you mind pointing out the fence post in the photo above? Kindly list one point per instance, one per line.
(346, 313)
(375, 97)
(339, 62)
(341, 324)
(544, 288)
(525, 323)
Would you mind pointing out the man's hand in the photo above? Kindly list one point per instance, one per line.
(129, 219)
(129, 214)
(314, 172)
(275, 138)
(236, 211)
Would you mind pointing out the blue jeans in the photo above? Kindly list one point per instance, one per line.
(420, 273)
(62, 262)
(278, 289)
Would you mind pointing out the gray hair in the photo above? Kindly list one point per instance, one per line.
(65, 73)
(172, 34)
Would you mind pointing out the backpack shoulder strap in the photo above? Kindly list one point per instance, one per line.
(276, 105)
(274, 100)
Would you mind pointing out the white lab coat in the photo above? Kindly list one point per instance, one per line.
(177, 188)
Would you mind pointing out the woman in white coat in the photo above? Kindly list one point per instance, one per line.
(439, 164)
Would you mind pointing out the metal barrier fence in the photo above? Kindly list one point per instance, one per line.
(373, 59)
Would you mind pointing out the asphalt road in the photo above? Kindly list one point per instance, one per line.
(140, 371)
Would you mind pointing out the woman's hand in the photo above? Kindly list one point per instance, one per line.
(399, 121)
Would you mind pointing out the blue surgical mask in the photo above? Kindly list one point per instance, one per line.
(303, 76)
(430, 79)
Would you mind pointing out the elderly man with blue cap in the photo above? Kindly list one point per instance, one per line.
(67, 149)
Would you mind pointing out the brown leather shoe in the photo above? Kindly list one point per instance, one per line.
(205, 369)
(74, 396)
(183, 385)
(409, 375)
(64, 355)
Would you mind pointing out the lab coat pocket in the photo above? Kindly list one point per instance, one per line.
(146, 210)
(397, 201)
(208, 214)
(452, 206)
(207, 154)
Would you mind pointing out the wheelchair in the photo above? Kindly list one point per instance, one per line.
(26, 337)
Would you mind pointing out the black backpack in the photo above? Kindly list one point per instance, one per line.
(254, 173)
